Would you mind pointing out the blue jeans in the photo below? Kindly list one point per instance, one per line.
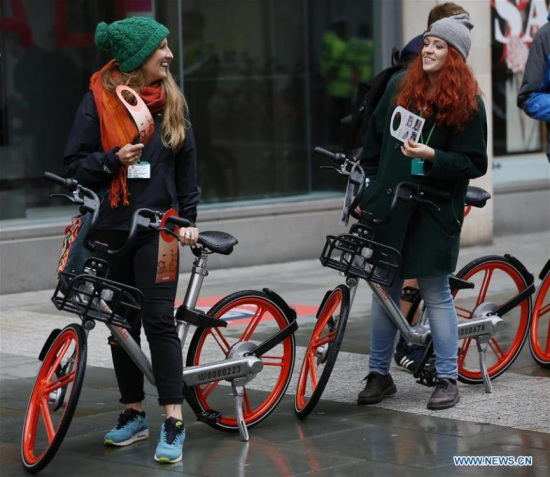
(437, 296)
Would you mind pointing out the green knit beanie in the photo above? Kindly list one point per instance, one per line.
(131, 41)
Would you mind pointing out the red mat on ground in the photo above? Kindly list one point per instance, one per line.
(242, 314)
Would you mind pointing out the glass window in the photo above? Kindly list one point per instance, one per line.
(266, 82)
(47, 55)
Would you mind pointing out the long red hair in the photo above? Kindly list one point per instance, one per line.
(453, 101)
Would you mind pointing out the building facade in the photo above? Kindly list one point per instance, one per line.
(266, 82)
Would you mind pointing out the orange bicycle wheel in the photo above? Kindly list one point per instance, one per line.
(322, 350)
(54, 398)
(539, 337)
(252, 316)
(497, 279)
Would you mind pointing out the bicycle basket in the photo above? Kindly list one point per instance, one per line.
(97, 298)
(361, 257)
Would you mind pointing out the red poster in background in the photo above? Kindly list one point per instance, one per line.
(66, 38)
(17, 23)
(138, 5)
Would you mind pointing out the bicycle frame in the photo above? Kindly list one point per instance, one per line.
(196, 374)
(240, 368)
(482, 326)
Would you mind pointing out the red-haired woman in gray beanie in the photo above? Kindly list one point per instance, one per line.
(449, 150)
(155, 169)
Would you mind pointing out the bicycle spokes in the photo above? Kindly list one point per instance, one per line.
(319, 345)
(252, 318)
(496, 280)
(53, 398)
(539, 339)
(322, 350)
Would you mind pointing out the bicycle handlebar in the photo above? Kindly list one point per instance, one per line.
(409, 191)
(89, 202)
(404, 191)
(335, 157)
(86, 198)
(152, 219)
(67, 183)
(347, 166)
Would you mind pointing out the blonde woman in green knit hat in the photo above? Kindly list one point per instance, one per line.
(103, 152)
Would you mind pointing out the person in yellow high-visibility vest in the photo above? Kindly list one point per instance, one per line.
(337, 73)
(360, 56)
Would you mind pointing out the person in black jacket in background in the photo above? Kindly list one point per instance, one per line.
(534, 95)
(105, 152)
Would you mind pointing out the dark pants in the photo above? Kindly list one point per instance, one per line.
(138, 268)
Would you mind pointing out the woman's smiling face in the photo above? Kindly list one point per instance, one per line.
(156, 66)
(434, 54)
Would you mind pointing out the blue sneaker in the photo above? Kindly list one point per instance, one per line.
(132, 426)
(170, 447)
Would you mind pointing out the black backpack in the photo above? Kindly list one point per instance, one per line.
(353, 128)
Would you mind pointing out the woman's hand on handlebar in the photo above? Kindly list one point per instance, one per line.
(188, 235)
(130, 154)
(417, 149)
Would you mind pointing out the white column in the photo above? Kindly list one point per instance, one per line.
(478, 225)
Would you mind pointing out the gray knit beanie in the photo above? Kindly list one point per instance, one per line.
(131, 41)
(455, 31)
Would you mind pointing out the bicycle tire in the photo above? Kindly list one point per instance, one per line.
(39, 444)
(322, 350)
(258, 314)
(540, 309)
(511, 277)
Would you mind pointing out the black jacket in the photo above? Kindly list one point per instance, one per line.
(173, 182)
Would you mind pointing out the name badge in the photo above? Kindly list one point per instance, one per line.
(409, 127)
(417, 167)
(141, 170)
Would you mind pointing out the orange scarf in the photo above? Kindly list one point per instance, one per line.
(117, 127)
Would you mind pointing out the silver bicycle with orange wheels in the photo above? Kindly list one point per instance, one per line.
(357, 255)
(245, 334)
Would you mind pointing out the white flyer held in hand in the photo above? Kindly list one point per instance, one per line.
(410, 125)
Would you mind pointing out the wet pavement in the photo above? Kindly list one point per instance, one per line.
(396, 437)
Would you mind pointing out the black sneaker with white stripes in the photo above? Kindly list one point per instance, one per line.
(409, 356)
(407, 364)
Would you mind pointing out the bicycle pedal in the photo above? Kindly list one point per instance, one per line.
(425, 378)
(210, 416)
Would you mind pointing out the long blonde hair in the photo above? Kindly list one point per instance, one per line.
(173, 121)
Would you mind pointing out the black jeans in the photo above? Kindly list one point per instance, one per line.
(138, 268)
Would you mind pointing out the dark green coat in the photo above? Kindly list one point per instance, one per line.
(427, 239)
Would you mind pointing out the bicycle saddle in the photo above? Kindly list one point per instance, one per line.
(476, 196)
(217, 242)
